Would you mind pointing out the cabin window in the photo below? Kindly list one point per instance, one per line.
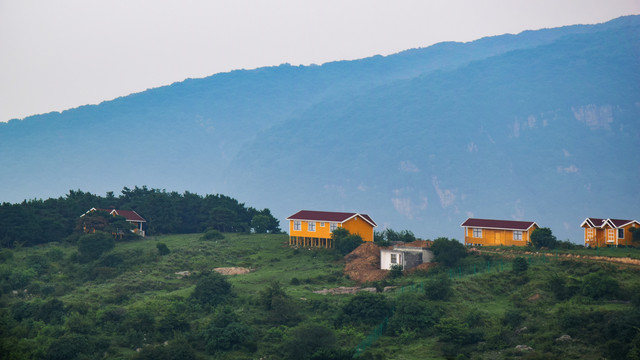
(312, 226)
(333, 226)
(394, 258)
(296, 225)
(477, 233)
(620, 233)
(517, 235)
(321, 224)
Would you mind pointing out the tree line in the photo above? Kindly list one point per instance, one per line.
(38, 221)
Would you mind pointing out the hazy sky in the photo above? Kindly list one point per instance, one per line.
(56, 55)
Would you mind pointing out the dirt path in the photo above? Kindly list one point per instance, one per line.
(609, 259)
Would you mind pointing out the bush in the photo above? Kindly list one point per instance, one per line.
(91, 246)
(453, 331)
(520, 265)
(412, 314)
(162, 249)
(212, 234)
(365, 308)
(438, 287)
(600, 285)
(395, 271)
(281, 308)
(448, 252)
(225, 332)
(212, 289)
(307, 340)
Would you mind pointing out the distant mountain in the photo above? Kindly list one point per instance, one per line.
(541, 126)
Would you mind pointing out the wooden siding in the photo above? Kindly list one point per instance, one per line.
(602, 237)
(497, 237)
(319, 234)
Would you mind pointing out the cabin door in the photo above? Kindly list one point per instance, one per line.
(497, 238)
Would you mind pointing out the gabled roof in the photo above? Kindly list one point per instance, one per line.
(600, 223)
(499, 224)
(593, 222)
(129, 215)
(330, 216)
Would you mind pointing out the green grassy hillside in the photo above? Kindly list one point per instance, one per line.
(132, 303)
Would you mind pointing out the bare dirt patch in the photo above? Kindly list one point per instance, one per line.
(232, 270)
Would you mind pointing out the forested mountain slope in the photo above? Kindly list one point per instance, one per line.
(541, 126)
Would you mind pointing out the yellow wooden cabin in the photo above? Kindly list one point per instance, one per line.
(486, 232)
(608, 232)
(313, 228)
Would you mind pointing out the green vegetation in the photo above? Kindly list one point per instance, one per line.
(36, 222)
(132, 302)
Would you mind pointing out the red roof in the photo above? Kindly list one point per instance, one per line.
(130, 215)
(498, 224)
(330, 216)
(600, 223)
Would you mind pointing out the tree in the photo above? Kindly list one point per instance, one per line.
(543, 237)
(412, 314)
(448, 252)
(264, 222)
(91, 246)
(345, 242)
(212, 289)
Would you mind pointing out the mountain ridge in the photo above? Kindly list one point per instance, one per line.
(245, 133)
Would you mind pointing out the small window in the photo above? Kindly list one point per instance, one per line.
(333, 226)
(517, 235)
(620, 233)
(312, 226)
(296, 225)
(477, 233)
(321, 224)
(394, 258)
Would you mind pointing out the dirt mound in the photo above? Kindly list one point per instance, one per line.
(363, 264)
(232, 270)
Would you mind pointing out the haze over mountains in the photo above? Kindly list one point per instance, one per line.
(541, 126)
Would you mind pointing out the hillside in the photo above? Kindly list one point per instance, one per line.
(538, 126)
(136, 302)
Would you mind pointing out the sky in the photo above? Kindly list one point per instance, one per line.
(57, 55)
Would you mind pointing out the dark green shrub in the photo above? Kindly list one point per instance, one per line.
(212, 289)
(412, 314)
(307, 340)
(295, 281)
(91, 246)
(452, 330)
(162, 249)
(438, 287)
(395, 271)
(212, 234)
(225, 332)
(512, 317)
(520, 265)
(365, 308)
(281, 308)
(68, 347)
(600, 285)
